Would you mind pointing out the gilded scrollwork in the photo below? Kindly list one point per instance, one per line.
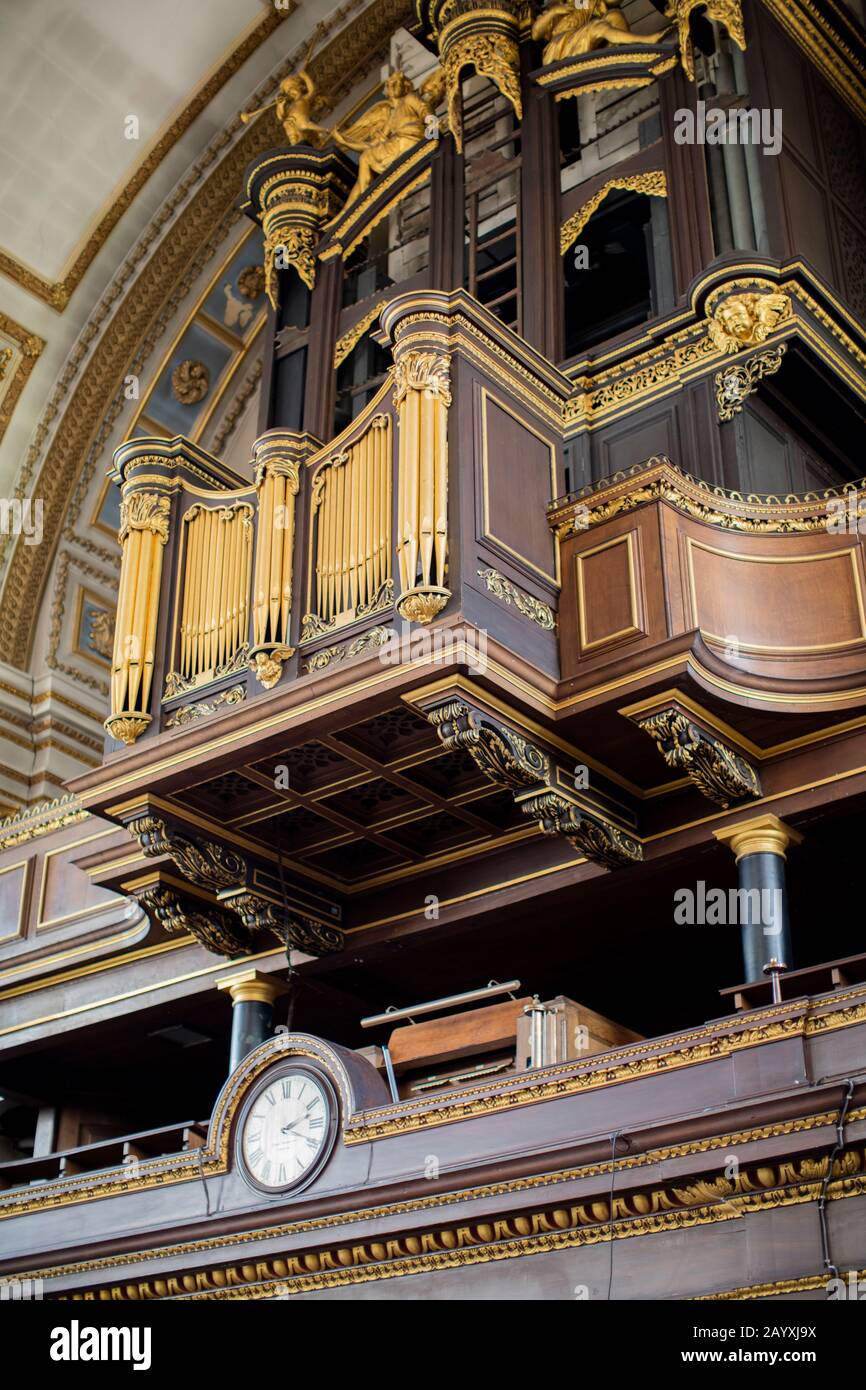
(214, 929)
(532, 608)
(735, 384)
(653, 183)
(296, 931)
(204, 862)
(718, 772)
(727, 12)
(591, 835)
(144, 511)
(502, 754)
(188, 714)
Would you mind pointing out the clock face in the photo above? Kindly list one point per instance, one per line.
(287, 1130)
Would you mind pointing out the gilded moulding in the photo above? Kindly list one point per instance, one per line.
(658, 1056)
(40, 820)
(534, 1183)
(825, 46)
(653, 183)
(530, 607)
(652, 1211)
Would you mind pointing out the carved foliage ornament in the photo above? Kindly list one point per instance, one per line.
(735, 384)
(215, 930)
(530, 607)
(654, 184)
(597, 839)
(717, 771)
(503, 755)
(726, 12)
(204, 862)
(423, 371)
(296, 932)
(190, 382)
(144, 511)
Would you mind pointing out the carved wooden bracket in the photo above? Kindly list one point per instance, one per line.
(296, 932)
(718, 771)
(510, 760)
(167, 907)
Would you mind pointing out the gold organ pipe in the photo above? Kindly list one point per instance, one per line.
(138, 618)
(288, 565)
(275, 567)
(358, 466)
(441, 499)
(231, 619)
(386, 476)
(426, 502)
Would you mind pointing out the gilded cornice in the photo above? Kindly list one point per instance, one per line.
(98, 395)
(41, 820)
(58, 293)
(533, 1184)
(659, 480)
(777, 1289)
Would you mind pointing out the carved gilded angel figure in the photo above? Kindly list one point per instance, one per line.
(744, 320)
(295, 102)
(389, 129)
(569, 31)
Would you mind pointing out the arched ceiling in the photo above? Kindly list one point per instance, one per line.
(162, 239)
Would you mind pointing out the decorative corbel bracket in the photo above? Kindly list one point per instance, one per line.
(510, 760)
(591, 835)
(204, 862)
(718, 771)
(178, 913)
(296, 931)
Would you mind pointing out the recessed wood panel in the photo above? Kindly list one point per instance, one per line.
(13, 899)
(519, 481)
(777, 603)
(67, 892)
(609, 608)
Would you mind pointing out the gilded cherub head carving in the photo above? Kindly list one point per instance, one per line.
(744, 320)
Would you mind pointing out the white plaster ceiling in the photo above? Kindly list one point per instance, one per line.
(71, 74)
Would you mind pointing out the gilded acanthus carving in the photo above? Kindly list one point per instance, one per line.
(530, 607)
(290, 248)
(568, 31)
(480, 36)
(188, 714)
(297, 932)
(190, 382)
(503, 755)
(144, 511)
(371, 639)
(735, 384)
(204, 862)
(214, 929)
(727, 12)
(747, 320)
(716, 770)
(598, 839)
(423, 371)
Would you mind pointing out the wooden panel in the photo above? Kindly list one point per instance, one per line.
(66, 892)
(621, 446)
(803, 603)
(518, 480)
(13, 898)
(608, 600)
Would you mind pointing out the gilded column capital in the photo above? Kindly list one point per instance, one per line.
(252, 987)
(760, 835)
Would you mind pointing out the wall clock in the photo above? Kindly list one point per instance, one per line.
(287, 1129)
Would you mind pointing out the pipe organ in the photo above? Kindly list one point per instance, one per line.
(217, 550)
